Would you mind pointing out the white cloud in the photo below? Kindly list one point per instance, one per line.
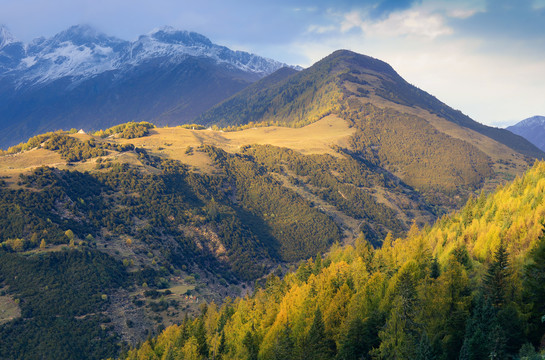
(317, 29)
(351, 20)
(409, 22)
(413, 22)
(462, 13)
(539, 4)
(495, 90)
(491, 85)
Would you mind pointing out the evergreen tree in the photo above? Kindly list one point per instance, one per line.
(496, 279)
(361, 337)
(317, 264)
(283, 348)
(251, 343)
(400, 336)
(169, 354)
(200, 335)
(317, 345)
(528, 352)
(222, 347)
(534, 290)
(481, 331)
(303, 272)
(435, 271)
(424, 350)
(497, 342)
(184, 333)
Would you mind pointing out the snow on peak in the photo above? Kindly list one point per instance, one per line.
(170, 35)
(6, 37)
(83, 30)
(173, 44)
(84, 35)
(81, 51)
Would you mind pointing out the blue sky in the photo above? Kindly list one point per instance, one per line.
(483, 57)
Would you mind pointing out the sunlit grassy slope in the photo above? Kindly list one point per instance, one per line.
(172, 142)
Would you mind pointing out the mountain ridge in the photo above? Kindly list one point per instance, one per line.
(368, 94)
(83, 43)
(532, 129)
(342, 60)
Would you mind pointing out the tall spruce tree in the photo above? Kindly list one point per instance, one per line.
(283, 348)
(534, 290)
(200, 335)
(251, 343)
(317, 345)
(496, 280)
(476, 344)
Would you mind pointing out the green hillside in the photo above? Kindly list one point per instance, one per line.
(297, 99)
(399, 127)
(470, 287)
(305, 96)
(172, 235)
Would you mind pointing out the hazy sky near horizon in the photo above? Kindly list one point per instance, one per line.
(483, 57)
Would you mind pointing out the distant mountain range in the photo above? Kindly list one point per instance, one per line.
(83, 78)
(532, 129)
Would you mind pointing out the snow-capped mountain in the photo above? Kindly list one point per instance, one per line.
(6, 37)
(81, 51)
(83, 78)
(532, 129)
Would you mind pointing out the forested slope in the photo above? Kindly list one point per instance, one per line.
(470, 287)
(169, 235)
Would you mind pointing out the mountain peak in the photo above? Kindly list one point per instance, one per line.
(534, 120)
(351, 59)
(531, 122)
(84, 30)
(532, 129)
(6, 37)
(171, 35)
(83, 35)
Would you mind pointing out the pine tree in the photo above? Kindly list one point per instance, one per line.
(222, 347)
(318, 345)
(534, 289)
(424, 350)
(482, 337)
(361, 337)
(251, 343)
(496, 279)
(200, 335)
(435, 271)
(400, 335)
(184, 333)
(283, 348)
(169, 354)
(317, 264)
